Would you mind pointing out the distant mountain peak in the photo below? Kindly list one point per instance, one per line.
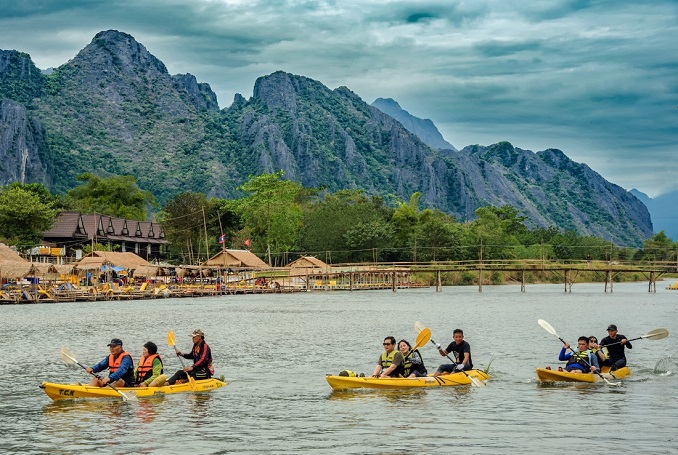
(424, 129)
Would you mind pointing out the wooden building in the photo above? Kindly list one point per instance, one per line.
(72, 230)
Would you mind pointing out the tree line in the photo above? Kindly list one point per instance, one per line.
(279, 220)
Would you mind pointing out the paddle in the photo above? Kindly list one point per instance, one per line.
(419, 327)
(67, 357)
(170, 341)
(656, 334)
(549, 328)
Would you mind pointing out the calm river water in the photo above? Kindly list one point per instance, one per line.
(275, 351)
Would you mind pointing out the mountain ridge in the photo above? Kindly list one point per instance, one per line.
(115, 109)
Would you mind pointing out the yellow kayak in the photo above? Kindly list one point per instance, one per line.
(66, 391)
(452, 379)
(544, 375)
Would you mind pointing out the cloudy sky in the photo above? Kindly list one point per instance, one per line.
(597, 79)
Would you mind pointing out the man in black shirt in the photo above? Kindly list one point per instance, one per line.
(615, 344)
(462, 354)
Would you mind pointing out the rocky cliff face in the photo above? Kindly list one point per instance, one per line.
(424, 129)
(114, 109)
(23, 152)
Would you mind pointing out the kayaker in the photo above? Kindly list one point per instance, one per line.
(597, 350)
(119, 364)
(414, 364)
(462, 354)
(390, 362)
(202, 360)
(148, 372)
(615, 344)
(581, 360)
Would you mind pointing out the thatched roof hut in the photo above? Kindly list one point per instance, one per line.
(134, 264)
(235, 259)
(306, 265)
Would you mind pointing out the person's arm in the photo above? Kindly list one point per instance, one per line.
(157, 371)
(444, 352)
(125, 365)
(467, 356)
(101, 366)
(377, 369)
(627, 343)
(397, 361)
(594, 362)
(564, 355)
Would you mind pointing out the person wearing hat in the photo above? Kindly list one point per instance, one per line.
(615, 344)
(120, 366)
(202, 360)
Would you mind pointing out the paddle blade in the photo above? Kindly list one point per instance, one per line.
(548, 327)
(418, 326)
(67, 356)
(656, 334)
(191, 382)
(170, 338)
(476, 382)
(422, 338)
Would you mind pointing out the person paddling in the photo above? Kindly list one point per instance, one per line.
(201, 354)
(462, 354)
(615, 343)
(582, 359)
(119, 364)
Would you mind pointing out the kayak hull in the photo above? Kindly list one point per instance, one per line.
(447, 380)
(69, 391)
(544, 375)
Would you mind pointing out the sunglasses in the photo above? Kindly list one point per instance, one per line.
(388, 344)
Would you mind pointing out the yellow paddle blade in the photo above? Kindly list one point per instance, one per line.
(191, 381)
(422, 338)
(170, 338)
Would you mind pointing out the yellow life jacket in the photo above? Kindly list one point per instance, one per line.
(387, 359)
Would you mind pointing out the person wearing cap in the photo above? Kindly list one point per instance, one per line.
(202, 360)
(148, 372)
(119, 364)
(615, 344)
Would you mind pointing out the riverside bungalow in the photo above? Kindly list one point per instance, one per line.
(72, 230)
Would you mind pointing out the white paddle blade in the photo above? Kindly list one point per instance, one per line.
(418, 326)
(129, 396)
(548, 327)
(477, 382)
(67, 356)
(656, 334)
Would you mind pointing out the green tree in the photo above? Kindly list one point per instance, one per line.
(438, 237)
(271, 212)
(117, 196)
(23, 214)
(659, 247)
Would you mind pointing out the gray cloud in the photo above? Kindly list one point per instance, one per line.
(593, 78)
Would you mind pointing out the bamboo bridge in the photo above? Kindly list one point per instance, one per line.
(568, 271)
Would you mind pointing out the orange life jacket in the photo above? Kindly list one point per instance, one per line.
(145, 368)
(113, 363)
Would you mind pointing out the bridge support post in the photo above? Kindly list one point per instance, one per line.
(568, 283)
(393, 281)
(480, 279)
(522, 282)
(439, 282)
(652, 286)
(608, 280)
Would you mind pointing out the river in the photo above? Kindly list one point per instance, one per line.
(275, 351)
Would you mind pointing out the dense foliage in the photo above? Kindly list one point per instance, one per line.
(280, 220)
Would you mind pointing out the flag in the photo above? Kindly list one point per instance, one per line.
(222, 239)
(247, 243)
